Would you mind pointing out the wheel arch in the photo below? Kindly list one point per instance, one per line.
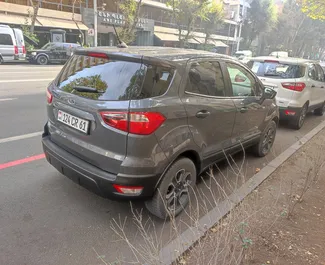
(42, 54)
(190, 154)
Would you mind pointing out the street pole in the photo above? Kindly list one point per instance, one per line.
(239, 36)
(95, 23)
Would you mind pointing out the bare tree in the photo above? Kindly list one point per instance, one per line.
(35, 5)
(82, 36)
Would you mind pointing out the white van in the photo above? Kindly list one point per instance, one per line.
(12, 44)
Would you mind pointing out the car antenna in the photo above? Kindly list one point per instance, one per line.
(120, 44)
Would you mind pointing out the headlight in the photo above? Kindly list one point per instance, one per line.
(33, 53)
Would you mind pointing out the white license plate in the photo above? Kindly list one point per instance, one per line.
(73, 121)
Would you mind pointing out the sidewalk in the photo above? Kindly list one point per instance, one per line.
(282, 222)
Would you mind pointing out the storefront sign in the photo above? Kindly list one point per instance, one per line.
(119, 19)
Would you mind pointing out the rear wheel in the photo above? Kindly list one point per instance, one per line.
(173, 193)
(299, 121)
(263, 147)
(42, 60)
(1, 60)
(320, 111)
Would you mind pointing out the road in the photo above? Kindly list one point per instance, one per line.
(44, 217)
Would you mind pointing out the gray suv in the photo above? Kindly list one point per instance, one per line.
(144, 122)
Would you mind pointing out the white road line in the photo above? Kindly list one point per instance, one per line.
(26, 80)
(7, 99)
(20, 137)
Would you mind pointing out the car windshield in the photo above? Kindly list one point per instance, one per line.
(277, 69)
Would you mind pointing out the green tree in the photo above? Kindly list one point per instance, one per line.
(261, 18)
(130, 10)
(315, 9)
(213, 17)
(185, 13)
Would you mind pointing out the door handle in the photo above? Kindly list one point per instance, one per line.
(202, 114)
(243, 109)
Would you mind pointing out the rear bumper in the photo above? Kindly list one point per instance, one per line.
(93, 178)
(289, 113)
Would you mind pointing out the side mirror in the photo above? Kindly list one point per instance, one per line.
(239, 79)
(269, 93)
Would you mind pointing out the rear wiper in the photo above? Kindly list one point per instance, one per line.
(271, 75)
(86, 89)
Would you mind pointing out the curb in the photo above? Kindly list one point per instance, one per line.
(176, 248)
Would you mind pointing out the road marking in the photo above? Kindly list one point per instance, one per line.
(7, 99)
(20, 137)
(22, 161)
(26, 80)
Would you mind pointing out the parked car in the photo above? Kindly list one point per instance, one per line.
(300, 86)
(279, 54)
(52, 52)
(145, 122)
(8, 44)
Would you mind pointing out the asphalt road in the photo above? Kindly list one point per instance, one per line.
(44, 217)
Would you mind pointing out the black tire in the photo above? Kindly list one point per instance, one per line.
(173, 193)
(42, 60)
(299, 121)
(263, 147)
(1, 60)
(320, 111)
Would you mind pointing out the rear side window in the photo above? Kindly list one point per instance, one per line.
(277, 70)
(205, 78)
(114, 80)
(5, 39)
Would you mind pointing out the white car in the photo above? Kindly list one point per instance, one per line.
(300, 86)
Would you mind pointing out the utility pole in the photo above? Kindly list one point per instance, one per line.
(239, 36)
(95, 23)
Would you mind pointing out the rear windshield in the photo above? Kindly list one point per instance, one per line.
(277, 70)
(114, 80)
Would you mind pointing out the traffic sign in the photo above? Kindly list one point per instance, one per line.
(91, 32)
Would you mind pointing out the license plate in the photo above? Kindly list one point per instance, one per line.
(73, 121)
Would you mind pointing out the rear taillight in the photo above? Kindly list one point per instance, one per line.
(142, 123)
(16, 49)
(295, 86)
(24, 50)
(49, 96)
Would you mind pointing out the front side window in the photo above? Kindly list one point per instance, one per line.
(206, 78)
(243, 83)
(5, 39)
(320, 73)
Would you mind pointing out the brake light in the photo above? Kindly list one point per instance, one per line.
(24, 50)
(142, 123)
(16, 49)
(97, 55)
(135, 190)
(295, 86)
(49, 96)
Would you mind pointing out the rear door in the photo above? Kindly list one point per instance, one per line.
(247, 96)
(75, 121)
(211, 113)
(321, 85)
(20, 43)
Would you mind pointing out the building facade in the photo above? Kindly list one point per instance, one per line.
(156, 25)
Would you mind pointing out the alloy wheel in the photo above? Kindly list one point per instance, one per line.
(177, 195)
(302, 116)
(268, 140)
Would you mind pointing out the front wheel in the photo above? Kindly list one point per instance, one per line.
(263, 147)
(42, 60)
(173, 193)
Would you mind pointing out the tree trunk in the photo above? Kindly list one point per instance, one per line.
(82, 41)
(34, 15)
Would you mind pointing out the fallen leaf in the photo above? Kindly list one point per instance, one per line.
(257, 170)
